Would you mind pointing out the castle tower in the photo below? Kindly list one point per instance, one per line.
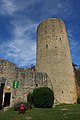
(53, 57)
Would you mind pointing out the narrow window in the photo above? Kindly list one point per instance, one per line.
(60, 38)
(46, 46)
(47, 36)
(36, 85)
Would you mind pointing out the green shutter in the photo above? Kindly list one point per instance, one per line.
(15, 84)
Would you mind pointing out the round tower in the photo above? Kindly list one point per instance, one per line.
(53, 57)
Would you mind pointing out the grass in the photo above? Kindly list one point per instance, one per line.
(61, 112)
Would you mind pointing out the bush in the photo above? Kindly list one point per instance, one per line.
(43, 97)
(78, 100)
(26, 105)
(30, 98)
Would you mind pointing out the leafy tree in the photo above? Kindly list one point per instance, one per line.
(75, 67)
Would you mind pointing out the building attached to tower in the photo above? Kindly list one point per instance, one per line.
(53, 68)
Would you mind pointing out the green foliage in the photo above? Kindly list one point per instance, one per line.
(59, 112)
(75, 67)
(30, 98)
(26, 105)
(78, 100)
(77, 75)
(43, 97)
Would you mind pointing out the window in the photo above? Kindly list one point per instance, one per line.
(36, 85)
(46, 46)
(47, 36)
(60, 38)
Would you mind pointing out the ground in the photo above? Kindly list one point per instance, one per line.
(61, 112)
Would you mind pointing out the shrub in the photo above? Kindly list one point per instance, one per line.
(30, 98)
(43, 97)
(26, 105)
(78, 100)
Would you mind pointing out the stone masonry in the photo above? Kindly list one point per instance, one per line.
(53, 58)
(53, 67)
(28, 80)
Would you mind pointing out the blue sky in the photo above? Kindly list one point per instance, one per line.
(18, 23)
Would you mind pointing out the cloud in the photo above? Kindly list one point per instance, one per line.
(22, 48)
(11, 7)
(73, 43)
(58, 8)
(8, 7)
(41, 8)
(74, 47)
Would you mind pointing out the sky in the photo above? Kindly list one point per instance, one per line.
(18, 24)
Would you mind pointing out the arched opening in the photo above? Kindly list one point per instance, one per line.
(7, 99)
(5, 93)
(46, 46)
(2, 84)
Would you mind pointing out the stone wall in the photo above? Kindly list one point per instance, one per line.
(27, 77)
(53, 57)
(53, 67)
(77, 77)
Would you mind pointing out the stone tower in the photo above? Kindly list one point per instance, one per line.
(53, 57)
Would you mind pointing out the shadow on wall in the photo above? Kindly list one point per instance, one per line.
(4, 97)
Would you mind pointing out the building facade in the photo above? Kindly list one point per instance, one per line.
(53, 68)
(18, 82)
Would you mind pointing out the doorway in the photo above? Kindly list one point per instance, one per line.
(7, 99)
(1, 94)
(1, 97)
(2, 84)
